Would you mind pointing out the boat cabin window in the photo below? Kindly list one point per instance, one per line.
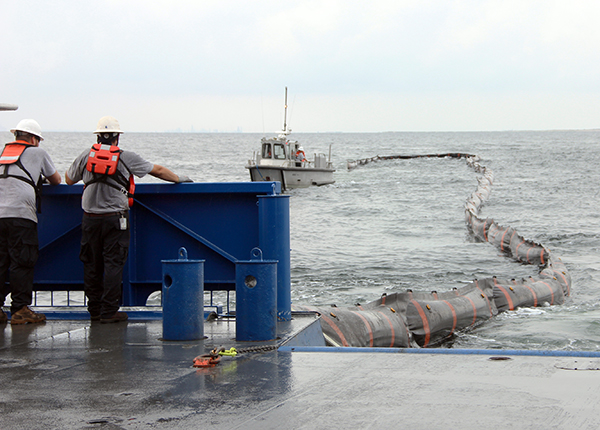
(279, 151)
(266, 150)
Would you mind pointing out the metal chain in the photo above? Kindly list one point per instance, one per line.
(262, 348)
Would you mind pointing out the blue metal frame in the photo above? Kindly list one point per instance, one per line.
(217, 222)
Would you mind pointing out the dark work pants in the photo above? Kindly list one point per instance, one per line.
(19, 252)
(104, 248)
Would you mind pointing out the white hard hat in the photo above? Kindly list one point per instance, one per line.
(108, 124)
(30, 126)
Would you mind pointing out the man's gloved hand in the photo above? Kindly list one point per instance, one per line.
(184, 178)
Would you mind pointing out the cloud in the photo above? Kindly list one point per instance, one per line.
(82, 59)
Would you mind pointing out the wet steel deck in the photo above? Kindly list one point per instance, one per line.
(73, 374)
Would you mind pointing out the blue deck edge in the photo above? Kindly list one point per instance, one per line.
(443, 351)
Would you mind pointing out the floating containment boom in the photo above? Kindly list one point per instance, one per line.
(421, 319)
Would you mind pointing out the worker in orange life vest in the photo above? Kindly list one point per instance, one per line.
(300, 156)
(23, 165)
(105, 225)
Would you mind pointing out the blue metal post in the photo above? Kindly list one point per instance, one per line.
(274, 241)
(256, 298)
(183, 298)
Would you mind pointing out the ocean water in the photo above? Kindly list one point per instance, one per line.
(397, 224)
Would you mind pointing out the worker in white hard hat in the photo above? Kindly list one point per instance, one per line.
(23, 167)
(107, 172)
(300, 156)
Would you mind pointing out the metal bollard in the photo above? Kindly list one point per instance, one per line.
(256, 298)
(183, 298)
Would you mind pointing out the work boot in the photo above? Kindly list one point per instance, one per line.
(3, 316)
(94, 317)
(117, 317)
(26, 315)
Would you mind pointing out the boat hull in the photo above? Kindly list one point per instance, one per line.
(292, 177)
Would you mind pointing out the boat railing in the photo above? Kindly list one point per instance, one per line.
(221, 302)
(254, 160)
(321, 162)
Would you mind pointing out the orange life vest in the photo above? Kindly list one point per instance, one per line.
(102, 162)
(11, 154)
(12, 151)
(103, 159)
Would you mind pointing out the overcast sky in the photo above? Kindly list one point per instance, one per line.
(350, 66)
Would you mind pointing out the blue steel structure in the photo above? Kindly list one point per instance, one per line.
(219, 223)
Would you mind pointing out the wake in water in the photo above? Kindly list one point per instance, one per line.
(416, 319)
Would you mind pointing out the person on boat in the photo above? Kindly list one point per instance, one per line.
(267, 150)
(300, 156)
(23, 167)
(107, 173)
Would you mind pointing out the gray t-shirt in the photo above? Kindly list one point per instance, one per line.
(17, 198)
(101, 198)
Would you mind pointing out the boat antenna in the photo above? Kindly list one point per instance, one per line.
(285, 130)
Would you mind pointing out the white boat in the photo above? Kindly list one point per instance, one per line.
(284, 160)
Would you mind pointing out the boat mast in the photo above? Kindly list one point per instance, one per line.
(285, 132)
